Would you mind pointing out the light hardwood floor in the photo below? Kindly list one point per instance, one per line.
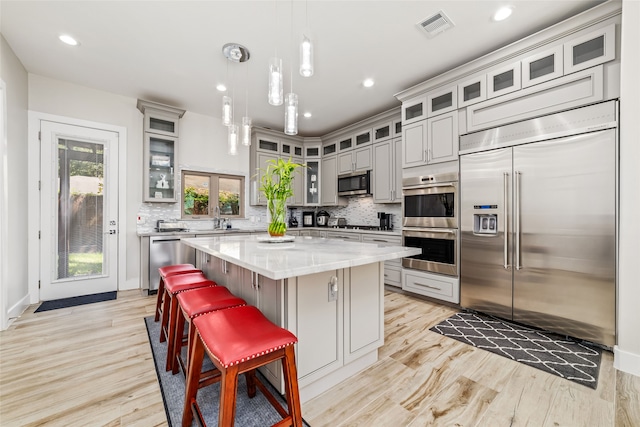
(92, 366)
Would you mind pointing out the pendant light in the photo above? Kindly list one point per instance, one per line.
(291, 104)
(291, 114)
(306, 50)
(275, 74)
(237, 53)
(233, 139)
(245, 128)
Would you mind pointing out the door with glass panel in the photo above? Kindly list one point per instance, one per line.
(79, 207)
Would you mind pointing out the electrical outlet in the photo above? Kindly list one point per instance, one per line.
(140, 220)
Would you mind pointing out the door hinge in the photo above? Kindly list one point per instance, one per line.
(39, 135)
(38, 284)
(39, 232)
(39, 185)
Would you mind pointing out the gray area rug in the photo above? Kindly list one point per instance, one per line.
(256, 412)
(551, 353)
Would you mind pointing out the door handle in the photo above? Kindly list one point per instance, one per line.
(517, 218)
(506, 221)
(112, 232)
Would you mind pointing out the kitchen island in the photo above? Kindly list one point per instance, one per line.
(329, 293)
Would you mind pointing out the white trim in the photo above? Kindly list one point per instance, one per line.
(626, 361)
(4, 211)
(33, 243)
(17, 309)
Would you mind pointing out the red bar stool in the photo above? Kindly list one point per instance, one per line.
(173, 285)
(166, 271)
(193, 303)
(240, 340)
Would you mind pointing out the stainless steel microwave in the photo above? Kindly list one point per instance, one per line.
(354, 184)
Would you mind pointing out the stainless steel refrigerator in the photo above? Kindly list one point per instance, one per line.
(538, 222)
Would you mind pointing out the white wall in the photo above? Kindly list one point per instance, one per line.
(14, 181)
(627, 352)
(202, 144)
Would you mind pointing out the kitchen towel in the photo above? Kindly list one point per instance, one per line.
(566, 358)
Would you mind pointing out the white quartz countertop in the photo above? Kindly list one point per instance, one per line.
(304, 255)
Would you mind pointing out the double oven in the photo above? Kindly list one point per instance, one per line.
(430, 222)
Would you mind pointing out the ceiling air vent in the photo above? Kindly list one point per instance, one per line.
(436, 24)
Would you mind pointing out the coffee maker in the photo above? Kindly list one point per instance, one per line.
(293, 221)
(386, 222)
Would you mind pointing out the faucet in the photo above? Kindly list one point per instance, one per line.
(216, 217)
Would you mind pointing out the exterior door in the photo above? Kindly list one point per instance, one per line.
(79, 203)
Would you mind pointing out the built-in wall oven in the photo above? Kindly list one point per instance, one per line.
(430, 222)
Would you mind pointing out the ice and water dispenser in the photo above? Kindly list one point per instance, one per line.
(485, 223)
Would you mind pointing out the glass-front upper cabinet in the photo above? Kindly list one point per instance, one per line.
(542, 66)
(472, 91)
(442, 101)
(591, 49)
(503, 80)
(160, 153)
(414, 110)
(329, 149)
(397, 128)
(345, 144)
(291, 150)
(312, 190)
(159, 118)
(363, 137)
(382, 132)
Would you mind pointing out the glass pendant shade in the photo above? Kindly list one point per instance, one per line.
(245, 131)
(306, 57)
(227, 110)
(275, 81)
(291, 114)
(233, 139)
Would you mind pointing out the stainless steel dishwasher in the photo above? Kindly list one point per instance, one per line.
(167, 250)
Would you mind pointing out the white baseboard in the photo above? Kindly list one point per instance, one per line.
(18, 308)
(626, 361)
(129, 285)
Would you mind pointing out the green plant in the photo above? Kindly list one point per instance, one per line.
(277, 187)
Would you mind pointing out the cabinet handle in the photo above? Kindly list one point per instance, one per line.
(424, 154)
(429, 155)
(381, 241)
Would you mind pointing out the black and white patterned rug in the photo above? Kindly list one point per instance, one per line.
(563, 357)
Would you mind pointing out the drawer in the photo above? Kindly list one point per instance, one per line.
(354, 237)
(432, 285)
(388, 240)
(392, 276)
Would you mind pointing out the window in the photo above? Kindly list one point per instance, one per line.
(197, 187)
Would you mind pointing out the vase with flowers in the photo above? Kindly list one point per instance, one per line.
(277, 187)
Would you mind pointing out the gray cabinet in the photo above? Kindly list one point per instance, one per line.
(503, 79)
(257, 172)
(298, 184)
(392, 268)
(431, 141)
(588, 50)
(387, 171)
(160, 168)
(329, 182)
(542, 66)
(355, 160)
(344, 235)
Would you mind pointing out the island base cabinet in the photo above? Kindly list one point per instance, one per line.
(363, 303)
(337, 315)
(318, 323)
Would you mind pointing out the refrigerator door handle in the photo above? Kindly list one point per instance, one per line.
(517, 218)
(506, 222)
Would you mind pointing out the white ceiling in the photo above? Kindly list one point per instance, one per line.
(171, 51)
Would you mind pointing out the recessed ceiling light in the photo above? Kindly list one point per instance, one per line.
(221, 88)
(307, 114)
(368, 83)
(65, 38)
(502, 13)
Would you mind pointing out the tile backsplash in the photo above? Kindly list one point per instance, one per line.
(359, 211)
